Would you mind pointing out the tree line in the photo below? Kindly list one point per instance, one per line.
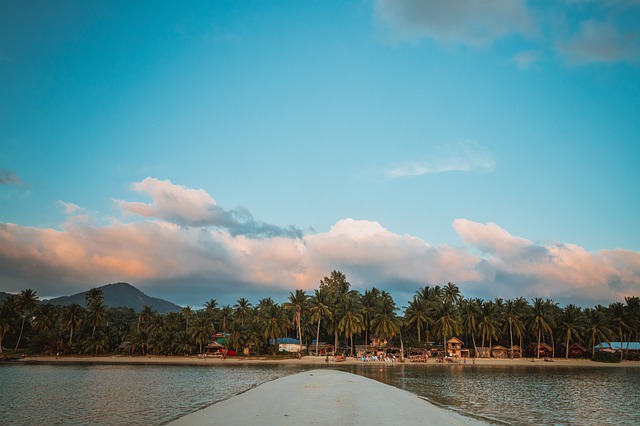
(334, 313)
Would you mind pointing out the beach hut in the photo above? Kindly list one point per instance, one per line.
(542, 350)
(515, 351)
(576, 350)
(323, 349)
(454, 348)
(483, 352)
(214, 347)
(499, 351)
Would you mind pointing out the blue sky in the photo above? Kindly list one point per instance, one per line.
(490, 143)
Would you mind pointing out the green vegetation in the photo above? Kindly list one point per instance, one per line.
(334, 313)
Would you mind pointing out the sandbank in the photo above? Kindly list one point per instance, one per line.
(325, 396)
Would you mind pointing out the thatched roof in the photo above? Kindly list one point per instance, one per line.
(498, 348)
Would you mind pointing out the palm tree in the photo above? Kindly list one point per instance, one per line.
(447, 323)
(539, 321)
(275, 322)
(489, 324)
(95, 296)
(71, 319)
(571, 325)
(6, 313)
(187, 312)
(513, 321)
(319, 309)
(241, 309)
(417, 313)
(618, 316)
(27, 302)
(146, 315)
(385, 321)
(297, 303)
(351, 320)
(201, 331)
(470, 311)
(451, 294)
(596, 328)
(96, 315)
(369, 302)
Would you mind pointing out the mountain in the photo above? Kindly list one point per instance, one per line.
(3, 296)
(121, 295)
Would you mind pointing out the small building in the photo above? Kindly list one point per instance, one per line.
(541, 350)
(631, 349)
(287, 344)
(515, 351)
(323, 349)
(576, 350)
(454, 348)
(499, 351)
(483, 352)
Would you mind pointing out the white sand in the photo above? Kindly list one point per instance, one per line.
(324, 397)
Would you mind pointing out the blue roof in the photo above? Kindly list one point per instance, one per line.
(633, 346)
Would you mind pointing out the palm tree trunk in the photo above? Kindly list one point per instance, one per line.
(538, 347)
(511, 339)
(71, 335)
(351, 345)
(318, 335)
(20, 336)
(566, 356)
(475, 348)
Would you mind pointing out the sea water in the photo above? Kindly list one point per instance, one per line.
(156, 394)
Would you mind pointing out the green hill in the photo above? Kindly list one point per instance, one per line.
(121, 295)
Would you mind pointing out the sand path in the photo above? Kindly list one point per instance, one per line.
(325, 397)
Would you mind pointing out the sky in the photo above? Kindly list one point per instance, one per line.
(225, 149)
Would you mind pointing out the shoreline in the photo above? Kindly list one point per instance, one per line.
(306, 360)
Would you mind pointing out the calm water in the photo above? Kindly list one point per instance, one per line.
(134, 394)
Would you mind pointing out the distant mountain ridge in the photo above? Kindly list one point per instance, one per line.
(121, 295)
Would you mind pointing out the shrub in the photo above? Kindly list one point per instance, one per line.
(606, 357)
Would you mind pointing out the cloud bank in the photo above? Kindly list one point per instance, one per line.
(187, 245)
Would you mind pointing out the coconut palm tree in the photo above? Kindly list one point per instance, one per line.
(94, 296)
(489, 324)
(619, 322)
(448, 323)
(6, 314)
(539, 322)
(596, 328)
(351, 320)
(385, 321)
(571, 325)
(417, 313)
(275, 322)
(513, 321)
(451, 294)
(369, 302)
(71, 319)
(297, 303)
(470, 309)
(146, 315)
(27, 302)
(96, 315)
(241, 309)
(187, 313)
(319, 309)
(201, 331)
(225, 317)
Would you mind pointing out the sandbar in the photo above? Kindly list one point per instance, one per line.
(325, 396)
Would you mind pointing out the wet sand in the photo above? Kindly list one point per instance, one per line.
(325, 396)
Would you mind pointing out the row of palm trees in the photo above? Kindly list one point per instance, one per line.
(333, 312)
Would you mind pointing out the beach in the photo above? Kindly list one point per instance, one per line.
(311, 361)
(324, 396)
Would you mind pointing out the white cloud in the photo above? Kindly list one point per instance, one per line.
(206, 261)
(466, 156)
(470, 22)
(525, 59)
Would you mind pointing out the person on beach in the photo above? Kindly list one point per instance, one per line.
(326, 360)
